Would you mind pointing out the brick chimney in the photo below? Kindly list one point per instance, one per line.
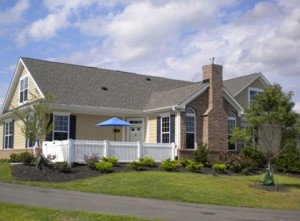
(215, 119)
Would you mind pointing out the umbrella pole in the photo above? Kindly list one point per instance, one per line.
(115, 133)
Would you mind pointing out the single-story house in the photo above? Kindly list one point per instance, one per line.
(160, 110)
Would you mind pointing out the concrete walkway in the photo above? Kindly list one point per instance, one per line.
(145, 208)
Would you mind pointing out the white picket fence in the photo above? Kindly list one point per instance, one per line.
(74, 150)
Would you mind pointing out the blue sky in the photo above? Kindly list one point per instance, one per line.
(168, 38)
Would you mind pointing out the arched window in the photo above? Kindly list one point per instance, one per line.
(231, 125)
(190, 122)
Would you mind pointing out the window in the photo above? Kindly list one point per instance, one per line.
(61, 127)
(190, 128)
(252, 93)
(8, 134)
(165, 129)
(23, 90)
(231, 125)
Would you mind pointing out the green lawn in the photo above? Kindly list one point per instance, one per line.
(186, 187)
(20, 213)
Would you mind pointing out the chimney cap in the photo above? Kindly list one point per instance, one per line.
(212, 60)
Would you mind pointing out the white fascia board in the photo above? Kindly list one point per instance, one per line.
(11, 114)
(192, 97)
(260, 77)
(233, 102)
(96, 110)
(35, 84)
(14, 83)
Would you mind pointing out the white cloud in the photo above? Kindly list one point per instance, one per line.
(297, 107)
(56, 20)
(14, 14)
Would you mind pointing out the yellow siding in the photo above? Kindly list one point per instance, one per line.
(152, 129)
(19, 138)
(86, 129)
(32, 95)
(242, 98)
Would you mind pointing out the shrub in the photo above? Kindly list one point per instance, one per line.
(288, 160)
(185, 162)
(147, 161)
(256, 155)
(194, 167)
(91, 161)
(62, 167)
(113, 160)
(169, 165)
(26, 158)
(135, 165)
(14, 157)
(219, 168)
(104, 167)
(201, 155)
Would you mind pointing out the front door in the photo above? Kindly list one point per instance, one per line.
(135, 134)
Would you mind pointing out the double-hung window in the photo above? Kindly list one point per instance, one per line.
(23, 96)
(61, 127)
(165, 129)
(252, 93)
(190, 128)
(231, 125)
(8, 134)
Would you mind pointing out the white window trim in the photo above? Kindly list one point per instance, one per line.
(7, 121)
(22, 78)
(195, 129)
(232, 118)
(166, 115)
(61, 114)
(258, 90)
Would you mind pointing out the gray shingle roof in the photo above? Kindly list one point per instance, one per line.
(83, 86)
(236, 84)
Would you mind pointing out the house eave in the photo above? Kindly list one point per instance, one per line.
(233, 102)
(108, 111)
(192, 97)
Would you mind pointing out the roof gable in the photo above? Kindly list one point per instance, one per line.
(237, 85)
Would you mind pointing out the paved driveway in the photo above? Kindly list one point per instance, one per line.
(145, 208)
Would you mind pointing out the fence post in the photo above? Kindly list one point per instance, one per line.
(105, 151)
(70, 152)
(139, 149)
(173, 151)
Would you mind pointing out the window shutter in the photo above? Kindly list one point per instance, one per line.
(13, 133)
(49, 136)
(158, 130)
(72, 130)
(172, 129)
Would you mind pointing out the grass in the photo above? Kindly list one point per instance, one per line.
(186, 187)
(20, 213)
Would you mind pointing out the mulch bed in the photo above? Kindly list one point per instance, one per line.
(81, 171)
(78, 171)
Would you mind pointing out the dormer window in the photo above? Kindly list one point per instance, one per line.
(252, 93)
(23, 89)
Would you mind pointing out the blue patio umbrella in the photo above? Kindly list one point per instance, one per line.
(114, 122)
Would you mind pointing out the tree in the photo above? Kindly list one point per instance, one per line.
(35, 124)
(272, 118)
